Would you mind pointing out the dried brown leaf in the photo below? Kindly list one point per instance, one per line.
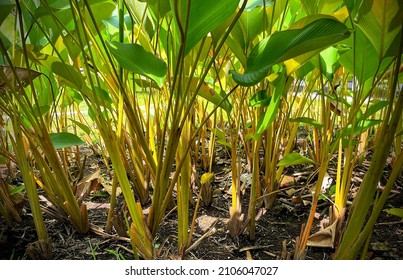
(88, 184)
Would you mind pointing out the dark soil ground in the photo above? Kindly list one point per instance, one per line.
(276, 229)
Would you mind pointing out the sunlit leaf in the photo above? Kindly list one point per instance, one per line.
(257, 3)
(381, 21)
(16, 190)
(85, 128)
(376, 107)
(259, 99)
(211, 95)
(395, 211)
(206, 178)
(285, 45)
(307, 121)
(294, 159)
(70, 75)
(160, 8)
(282, 85)
(254, 21)
(102, 9)
(365, 59)
(204, 16)
(134, 58)
(65, 139)
(364, 125)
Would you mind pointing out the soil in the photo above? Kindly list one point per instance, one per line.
(276, 229)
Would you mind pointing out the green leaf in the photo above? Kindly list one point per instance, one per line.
(360, 127)
(284, 45)
(257, 3)
(70, 75)
(134, 58)
(204, 17)
(395, 211)
(5, 8)
(307, 120)
(267, 118)
(221, 137)
(16, 190)
(329, 59)
(65, 139)
(294, 159)
(102, 9)
(237, 49)
(260, 99)
(361, 59)
(381, 21)
(253, 21)
(160, 8)
(84, 127)
(211, 95)
(376, 107)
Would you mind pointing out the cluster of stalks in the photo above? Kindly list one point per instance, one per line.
(156, 87)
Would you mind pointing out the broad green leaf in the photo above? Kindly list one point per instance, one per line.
(221, 137)
(365, 58)
(59, 9)
(254, 22)
(5, 8)
(211, 95)
(276, 10)
(104, 95)
(65, 139)
(260, 99)
(376, 107)
(303, 70)
(224, 143)
(160, 8)
(71, 96)
(42, 59)
(251, 23)
(219, 133)
(70, 75)
(16, 190)
(395, 211)
(307, 120)
(320, 6)
(237, 49)
(325, 196)
(381, 21)
(42, 109)
(361, 126)
(134, 58)
(140, 13)
(285, 45)
(257, 3)
(329, 60)
(101, 9)
(282, 85)
(204, 17)
(85, 128)
(294, 159)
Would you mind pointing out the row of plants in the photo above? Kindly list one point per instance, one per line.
(154, 87)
